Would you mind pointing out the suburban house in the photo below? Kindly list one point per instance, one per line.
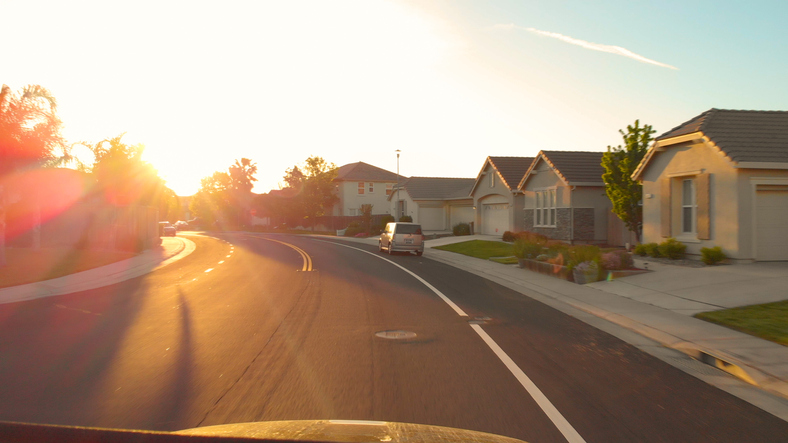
(720, 179)
(359, 184)
(438, 204)
(565, 199)
(496, 199)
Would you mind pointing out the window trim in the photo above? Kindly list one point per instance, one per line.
(361, 188)
(545, 208)
(370, 187)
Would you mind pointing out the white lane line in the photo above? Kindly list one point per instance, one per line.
(456, 308)
(228, 256)
(221, 262)
(209, 270)
(552, 413)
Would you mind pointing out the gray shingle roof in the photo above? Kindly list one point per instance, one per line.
(512, 169)
(744, 136)
(364, 171)
(576, 166)
(438, 188)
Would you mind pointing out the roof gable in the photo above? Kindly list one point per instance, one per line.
(510, 169)
(575, 168)
(364, 171)
(741, 136)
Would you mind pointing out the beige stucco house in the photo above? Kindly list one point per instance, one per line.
(564, 197)
(496, 199)
(360, 183)
(720, 179)
(437, 203)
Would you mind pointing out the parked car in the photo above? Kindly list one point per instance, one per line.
(405, 237)
(166, 229)
(181, 225)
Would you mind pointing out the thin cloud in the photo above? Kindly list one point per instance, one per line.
(618, 50)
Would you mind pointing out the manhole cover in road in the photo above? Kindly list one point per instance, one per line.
(396, 335)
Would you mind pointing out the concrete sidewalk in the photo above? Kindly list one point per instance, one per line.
(171, 249)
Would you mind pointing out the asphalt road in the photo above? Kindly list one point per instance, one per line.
(272, 327)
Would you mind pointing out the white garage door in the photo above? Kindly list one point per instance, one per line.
(431, 219)
(772, 224)
(495, 219)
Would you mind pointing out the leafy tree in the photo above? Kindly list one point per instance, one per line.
(29, 134)
(126, 179)
(620, 163)
(226, 197)
(314, 182)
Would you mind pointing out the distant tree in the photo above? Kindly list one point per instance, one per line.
(29, 134)
(226, 197)
(619, 164)
(126, 179)
(314, 183)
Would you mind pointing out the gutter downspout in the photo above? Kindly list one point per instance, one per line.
(571, 217)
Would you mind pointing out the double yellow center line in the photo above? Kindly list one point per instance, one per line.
(307, 259)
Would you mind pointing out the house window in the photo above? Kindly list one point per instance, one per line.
(689, 206)
(389, 189)
(370, 187)
(360, 188)
(354, 212)
(544, 214)
(492, 179)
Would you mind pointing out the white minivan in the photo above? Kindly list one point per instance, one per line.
(400, 236)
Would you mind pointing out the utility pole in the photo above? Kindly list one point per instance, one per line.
(399, 203)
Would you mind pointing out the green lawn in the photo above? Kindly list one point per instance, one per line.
(481, 249)
(25, 265)
(769, 321)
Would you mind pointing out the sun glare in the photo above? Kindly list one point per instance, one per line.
(275, 82)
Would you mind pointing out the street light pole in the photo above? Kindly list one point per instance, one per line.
(398, 202)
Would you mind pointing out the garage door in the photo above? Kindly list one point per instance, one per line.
(771, 223)
(495, 219)
(431, 219)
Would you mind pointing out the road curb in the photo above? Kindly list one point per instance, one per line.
(714, 358)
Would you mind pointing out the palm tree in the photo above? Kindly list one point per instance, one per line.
(29, 133)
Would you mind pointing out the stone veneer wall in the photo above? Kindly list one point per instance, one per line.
(584, 224)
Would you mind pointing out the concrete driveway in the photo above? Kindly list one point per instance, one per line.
(691, 290)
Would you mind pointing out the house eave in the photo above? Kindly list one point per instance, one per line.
(761, 165)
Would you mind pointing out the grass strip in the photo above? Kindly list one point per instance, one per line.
(768, 321)
(482, 249)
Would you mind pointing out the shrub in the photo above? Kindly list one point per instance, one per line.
(641, 250)
(461, 229)
(542, 257)
(527, 249)
(672, 249)
(651, 249)
(616, 260)
(558, 252)
(353, 229)
(627, 262)
(611, 261)
(386, 220)
(712, 256)
(509, 236)
(579, 254)
(406, 219)
(588, 267)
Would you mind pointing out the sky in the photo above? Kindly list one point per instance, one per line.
(447, 83)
